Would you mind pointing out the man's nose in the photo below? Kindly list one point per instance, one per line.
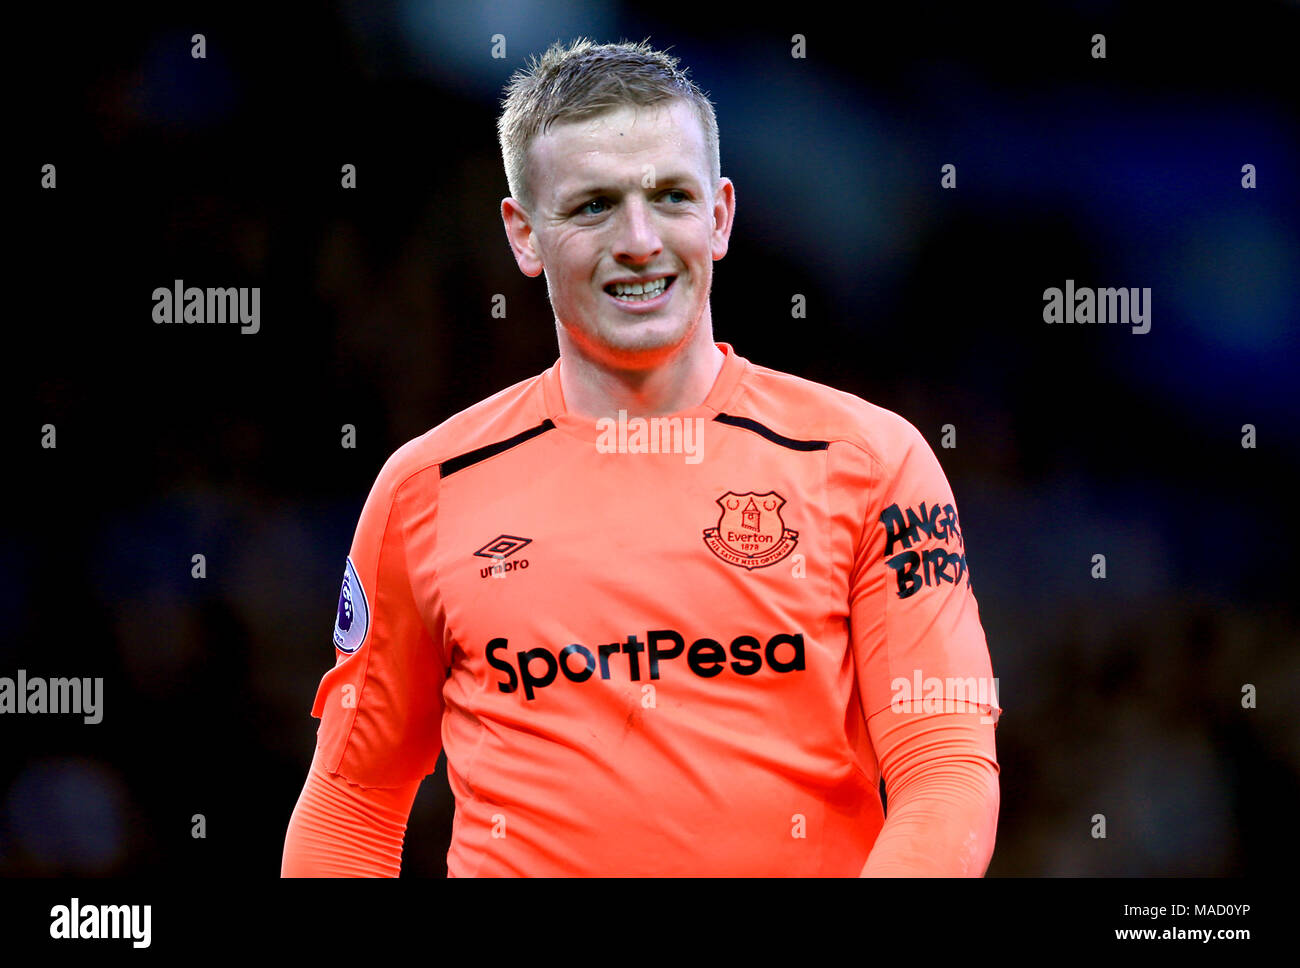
(637, 240)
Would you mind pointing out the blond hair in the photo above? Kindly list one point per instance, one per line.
(584, 80)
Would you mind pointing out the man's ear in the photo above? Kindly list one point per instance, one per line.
(520, 235)
(724, 213)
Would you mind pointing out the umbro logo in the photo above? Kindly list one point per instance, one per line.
(502, 546)
(499, 549)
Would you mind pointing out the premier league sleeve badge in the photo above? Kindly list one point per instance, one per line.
(353, 618)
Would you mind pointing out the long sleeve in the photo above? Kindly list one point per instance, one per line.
(928, 692)
(339, 829)
(380, 706)
(941, 781)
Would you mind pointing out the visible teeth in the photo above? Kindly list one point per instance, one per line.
(639, 292)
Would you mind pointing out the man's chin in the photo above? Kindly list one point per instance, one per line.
(638, 345)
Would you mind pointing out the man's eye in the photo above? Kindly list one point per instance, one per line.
(587, 209)
(675, 191)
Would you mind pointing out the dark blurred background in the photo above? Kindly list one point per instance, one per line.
(1123, 696)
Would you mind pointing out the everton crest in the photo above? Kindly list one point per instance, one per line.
(750, 533)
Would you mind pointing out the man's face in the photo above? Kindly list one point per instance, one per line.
(625, 197)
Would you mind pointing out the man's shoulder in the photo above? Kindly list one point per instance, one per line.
(804, 409)
(497, 418)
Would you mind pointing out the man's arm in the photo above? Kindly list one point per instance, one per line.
(339, 829)
(380, 706)
(941, 782)
(923, 665)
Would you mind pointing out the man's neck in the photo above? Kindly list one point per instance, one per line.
(592, 388)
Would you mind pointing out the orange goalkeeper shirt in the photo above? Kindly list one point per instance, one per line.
(651, 645)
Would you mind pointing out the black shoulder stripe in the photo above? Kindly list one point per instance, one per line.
(454, 464)
(771, 434)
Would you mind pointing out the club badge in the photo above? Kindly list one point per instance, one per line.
(750, 533)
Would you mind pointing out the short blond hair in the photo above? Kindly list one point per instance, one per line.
(583, 80)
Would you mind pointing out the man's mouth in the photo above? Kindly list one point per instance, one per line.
(640, 291)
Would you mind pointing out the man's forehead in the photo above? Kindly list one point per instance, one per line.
(623, 118)
(663, 134)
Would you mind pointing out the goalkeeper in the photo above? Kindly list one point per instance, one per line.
(667, 611)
